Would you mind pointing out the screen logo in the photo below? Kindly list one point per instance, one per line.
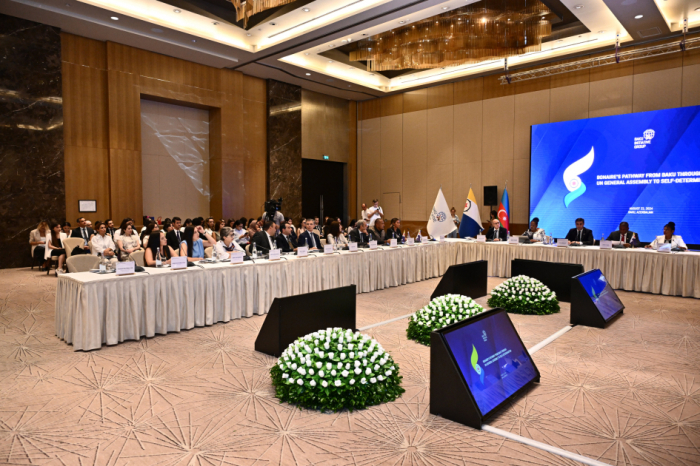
(475, 364)
(645, 140)
(572, 181)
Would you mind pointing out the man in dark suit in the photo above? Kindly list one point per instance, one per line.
(264, 239)
(359, 234)
(377, 231)
(285, 240)
(496, 233)
(309, 237)
(110, 228)
(623, 235)
(580, 235)
(85, 232)
(174, 237)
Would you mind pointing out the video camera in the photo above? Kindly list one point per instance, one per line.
(272, 206)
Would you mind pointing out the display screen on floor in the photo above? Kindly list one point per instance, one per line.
(492, 359)
(602, 294)
(641, 168)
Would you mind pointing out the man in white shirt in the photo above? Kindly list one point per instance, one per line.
(364, 214)
(102, 243)
(210, 226)
(374, 212)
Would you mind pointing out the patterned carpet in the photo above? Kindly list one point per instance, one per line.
(629, 394)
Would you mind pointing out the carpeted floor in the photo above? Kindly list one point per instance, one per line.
(629, 394)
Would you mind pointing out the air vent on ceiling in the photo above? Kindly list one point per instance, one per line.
(651, 32)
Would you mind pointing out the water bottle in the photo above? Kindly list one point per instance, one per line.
(274, 244)
(508, 235)
(159, 259)
(103, 265)
(255, 251)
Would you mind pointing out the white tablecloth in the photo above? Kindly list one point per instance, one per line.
(92, 309)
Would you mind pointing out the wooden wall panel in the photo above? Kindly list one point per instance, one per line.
(392, 105)
(370, 109)
(353, 209)
(83, 51)
(415, 101)
(126, 185)
(324, 127)
(691, 86)
(471, 90)
(657, 90)
(441, 96)
(85, 114)
(89, 179)
(611, 96)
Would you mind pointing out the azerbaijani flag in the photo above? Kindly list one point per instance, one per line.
(471, 220)
(503, 209)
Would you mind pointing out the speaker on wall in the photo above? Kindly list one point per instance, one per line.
(490, 195)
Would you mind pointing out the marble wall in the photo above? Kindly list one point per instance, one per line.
(31, 134)
(284, 146)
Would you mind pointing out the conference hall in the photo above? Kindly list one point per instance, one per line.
(350, 232)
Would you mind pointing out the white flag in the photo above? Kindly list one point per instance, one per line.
(440, 222)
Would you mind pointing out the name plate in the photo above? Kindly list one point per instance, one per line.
(373, 245)
(274, 255)
(480, 238)
(302, 251)
(126, 268)
(177, 263)
(513, 240)
(352, 247)
(604, 244)
(392, 243)
(328, 249)
(236, 257)
(410, 241)
(441, 238)
(562, 243)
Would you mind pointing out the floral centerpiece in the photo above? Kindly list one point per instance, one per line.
(336, 369)
(524, 295)
(440, 312)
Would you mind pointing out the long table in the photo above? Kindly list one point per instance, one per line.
(92, 309)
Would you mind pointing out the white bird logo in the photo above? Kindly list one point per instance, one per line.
(572, 181)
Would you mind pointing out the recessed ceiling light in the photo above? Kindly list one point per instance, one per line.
(560, 40)
(578, 7)
(343, 41)
(114, 18)
(177, 11)
(308, 74)
(364, 34)
(194, 40)
(305, 10)
(273, 24)
(349, 39)
(156, 30)
(445, 7)
(330, 61)
(307, 54)
(639, 17)
(401, 22)
(215, 23)
(249, 34)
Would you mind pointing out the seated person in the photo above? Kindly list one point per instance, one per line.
(394, 231)
(37, 240)
(157, 242)
(102, 244)
(85, 232)
(668, 238)
(264, 240)
(496, 233)
(67, 228)
(227, 244)
(240, 234)
(192, 244)
(127, 243)
(309, 237)
(335, 236)
(360, 235)
(285, 239)
(580, 235)
(623, 235)
(146, 233)
(377, 232)
(54, 245)
(535, 234)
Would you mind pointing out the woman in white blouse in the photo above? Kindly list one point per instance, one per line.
(128, 242)
(335, 236)
(534, 233)
(676, 241)
(37, 239)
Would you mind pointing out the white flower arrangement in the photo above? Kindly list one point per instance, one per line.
(333, 385)
(440, 312)
(524, 295)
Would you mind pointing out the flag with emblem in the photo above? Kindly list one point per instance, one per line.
(471, 220)
(503, 210)
(440, 222)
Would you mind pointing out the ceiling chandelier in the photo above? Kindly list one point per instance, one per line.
(246, 9)
(486, 30)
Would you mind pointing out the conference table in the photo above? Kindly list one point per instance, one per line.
(94, 309)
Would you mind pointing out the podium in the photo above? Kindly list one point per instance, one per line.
(295, 316)
(468, 279)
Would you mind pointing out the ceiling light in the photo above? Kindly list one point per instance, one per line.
(156, 30)
(215, 23)
(349, 39)
(402, 21)
(177, 11)
(330, 61)
(307, 54)
(114, 18)
(578, 7)
(639, 17)
(305, 10)
(445, 7)
(364, 34)
(343, 41)
(194, 40)
(249, 34)
(273, 24)
(308, 74)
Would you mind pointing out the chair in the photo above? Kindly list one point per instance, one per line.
(208, 252)
(82, 263)
(71, 243)
(323, 242)
(247, 248)
(137, 256)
